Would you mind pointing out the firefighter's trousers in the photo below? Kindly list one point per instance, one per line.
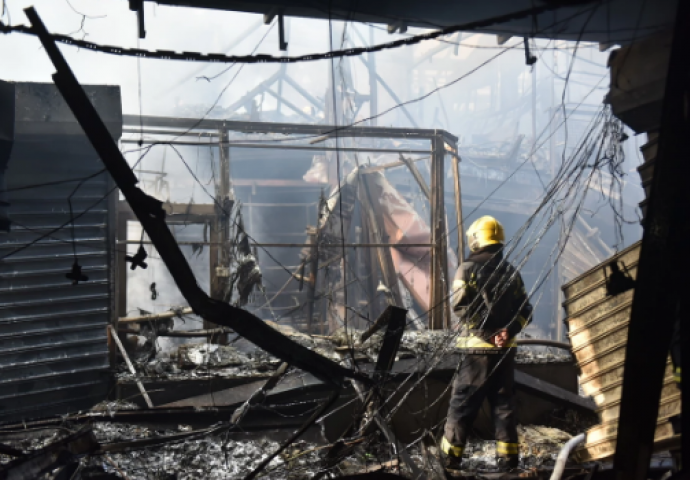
(483, 376)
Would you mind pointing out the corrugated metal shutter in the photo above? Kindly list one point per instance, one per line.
(53, 340)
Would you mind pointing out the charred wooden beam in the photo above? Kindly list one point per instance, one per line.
(374, 220)
(10, 451)
(384, 364)
(388, 166)
(121, 347)
(394, 318)
(417, 176)
(154, 317)
(661, 289)
(259, 395)
(181, 333)
(460, 228)
(398, 447)
(380, 322)
(32, 466)
(391, 341)
(151, 215)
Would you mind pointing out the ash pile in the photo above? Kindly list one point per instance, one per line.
(117, 455)
(120, 439)
(242, 359)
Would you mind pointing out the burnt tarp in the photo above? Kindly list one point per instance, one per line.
(53, 342)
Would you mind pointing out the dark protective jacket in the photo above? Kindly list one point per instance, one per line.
(488, 296)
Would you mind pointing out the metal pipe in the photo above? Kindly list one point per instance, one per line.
(136, 121)
(180, 333)
(387, 166)
(296, 245)
(544, 343)
(280, 146)
(564, 454)
(157, 316)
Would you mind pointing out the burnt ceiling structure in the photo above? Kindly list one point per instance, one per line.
(611, 22)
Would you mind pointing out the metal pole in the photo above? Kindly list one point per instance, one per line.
(313, 276)
(373, 85)
(370, 266)
(296, 245)
(279, 97)
(661, 282)
(460, 232)
(439, 260)
(157, 316)
(220, 233)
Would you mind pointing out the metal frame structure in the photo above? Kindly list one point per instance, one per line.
(441, 143)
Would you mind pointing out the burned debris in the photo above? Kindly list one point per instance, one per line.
(296, 286)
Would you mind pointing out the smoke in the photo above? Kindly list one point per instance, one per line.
(547, 106)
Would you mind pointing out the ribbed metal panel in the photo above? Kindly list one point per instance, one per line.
(598, 331)
(54, 354)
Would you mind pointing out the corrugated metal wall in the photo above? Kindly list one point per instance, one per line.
(54, 354)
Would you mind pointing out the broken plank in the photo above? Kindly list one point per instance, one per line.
(10, 451)
(130, 366)
(417, 176)
(378, 324)
(32, 466)
(259, 395)
(157, 316)
(391, 341)
(184, 333)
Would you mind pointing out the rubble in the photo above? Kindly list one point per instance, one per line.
(210, 355)
(222, 457)
(241, 359)
(212, 457)
(114, 406)
(533, 354)
(539, 447)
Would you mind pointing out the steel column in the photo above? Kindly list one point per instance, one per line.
(439, 313)
(460, 230)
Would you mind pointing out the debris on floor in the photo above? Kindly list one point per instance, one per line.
(222, 457)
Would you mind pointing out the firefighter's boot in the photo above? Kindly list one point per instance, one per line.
(452, 458)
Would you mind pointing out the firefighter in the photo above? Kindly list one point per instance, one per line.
(490, 299)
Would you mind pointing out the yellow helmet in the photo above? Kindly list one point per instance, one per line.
(485, 231)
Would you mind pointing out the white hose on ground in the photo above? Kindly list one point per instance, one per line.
(564, 454)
